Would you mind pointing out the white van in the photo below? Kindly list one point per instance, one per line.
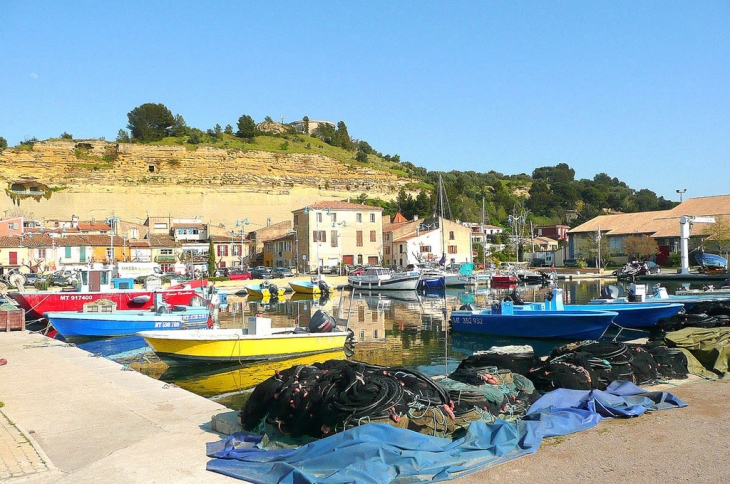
(137, 269)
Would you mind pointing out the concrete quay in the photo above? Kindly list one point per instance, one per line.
(69, 417)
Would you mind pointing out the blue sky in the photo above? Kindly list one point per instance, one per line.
(638, 90)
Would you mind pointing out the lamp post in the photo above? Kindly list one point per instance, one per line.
(242, 223)
(296, 247)
(317, 214)
(339, 242)
(681, 192)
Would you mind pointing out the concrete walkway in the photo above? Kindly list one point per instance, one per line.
(69, 417)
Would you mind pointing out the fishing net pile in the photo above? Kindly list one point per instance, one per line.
(590, 365)
(325, 398)
(710, 314)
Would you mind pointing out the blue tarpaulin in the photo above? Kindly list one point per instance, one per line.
(381, 453)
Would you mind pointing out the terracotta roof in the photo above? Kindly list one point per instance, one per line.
(338, 205)
(662, 223)
(93, 226)
(399, 218)
(27, 240)
(189, 226)
(138, 243)
(162, 240)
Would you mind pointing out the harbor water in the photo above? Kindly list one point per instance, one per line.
(392, 328)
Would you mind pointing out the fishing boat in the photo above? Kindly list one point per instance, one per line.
(316, 285)
(265, 290)
(94, 284)
(711, 263)
(630, 315)
(381, 278)
(257, 342)
(101, 318)
(503, 320)
(658, 295)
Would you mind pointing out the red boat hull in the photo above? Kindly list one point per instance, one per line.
(38, 302)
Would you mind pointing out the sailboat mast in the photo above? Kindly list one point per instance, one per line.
(441, 222)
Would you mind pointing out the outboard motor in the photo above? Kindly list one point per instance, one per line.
(273, 290)
(468, 307)
(324, 287)
(515, 298)
(321, 322)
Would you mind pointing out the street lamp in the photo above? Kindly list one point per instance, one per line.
(339, 242)
(242, 223)
(681, 192)
(296, 247)
(318, 240)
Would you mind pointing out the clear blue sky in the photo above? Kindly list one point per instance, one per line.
(638, 90)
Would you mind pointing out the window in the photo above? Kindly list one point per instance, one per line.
(372, 218)
(160, 226)
(333, 237)
(451, 235)
(319, 217)
(67, 253)
(372, 236)
(358, 218)
(334, 217)
(319, 236)
(452, 249)
(296, 220)
(425, 248)
(222, 251)
(359, 259)
(387, 251)
(165, 251)
(13, 226)
(358, 236)
(41, 253)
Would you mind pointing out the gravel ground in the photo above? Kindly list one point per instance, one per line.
(679, 445)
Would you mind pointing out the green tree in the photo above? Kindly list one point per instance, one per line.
(180, 127)
(150, 122)
(342, 137)
(66, 135)
(361, 156)
(246, 127)
(123, 136)
(211, 259)
(640, 247)
(3, 143)
(306, 124)
(228, 129)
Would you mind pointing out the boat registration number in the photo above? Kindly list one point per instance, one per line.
(167, 324)
(468, 320)
(76, 298)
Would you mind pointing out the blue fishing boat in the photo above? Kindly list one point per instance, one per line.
(630, 315)
(638, 295)
(101, 318)
(711, 262)
(502, 319)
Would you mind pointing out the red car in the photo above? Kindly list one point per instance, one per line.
(239, 275)
(357, 271)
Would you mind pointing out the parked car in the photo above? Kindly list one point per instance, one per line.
(64, 277)
(357, 271)
(31, 278)
(260, 272)
(281, 272)
(571, 263)
(222, 272)
(239, 275)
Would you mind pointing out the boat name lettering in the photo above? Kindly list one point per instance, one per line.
(76, 298)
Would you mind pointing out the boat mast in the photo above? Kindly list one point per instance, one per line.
(441, 222)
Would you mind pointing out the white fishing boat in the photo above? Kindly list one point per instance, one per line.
(381, 278)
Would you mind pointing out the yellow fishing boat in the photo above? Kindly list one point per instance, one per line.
(259, 342)
(313, 286)
(265, 290)
(238, 377)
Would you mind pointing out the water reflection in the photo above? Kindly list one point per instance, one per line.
(392, 328)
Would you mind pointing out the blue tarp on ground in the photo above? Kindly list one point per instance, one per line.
(381, 453)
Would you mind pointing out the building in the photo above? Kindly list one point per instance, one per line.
(331, 233)
(433, 240)
(662, 225)
(313, 124)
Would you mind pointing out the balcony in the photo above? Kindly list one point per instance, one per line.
(165, 258)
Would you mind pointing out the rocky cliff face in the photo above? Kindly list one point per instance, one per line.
(79, 163)
(135, 180)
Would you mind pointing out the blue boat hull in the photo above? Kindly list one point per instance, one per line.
(636, 315)
(121, 323)
(568, 324)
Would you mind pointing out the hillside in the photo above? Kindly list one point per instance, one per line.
(95, 178)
